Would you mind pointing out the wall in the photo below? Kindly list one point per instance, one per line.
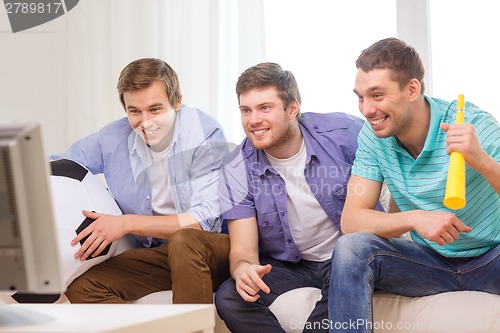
(32, 77)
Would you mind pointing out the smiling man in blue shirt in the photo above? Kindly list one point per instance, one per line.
(161, 164)
(282, 191)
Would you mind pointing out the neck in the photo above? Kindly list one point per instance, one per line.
(414, 135)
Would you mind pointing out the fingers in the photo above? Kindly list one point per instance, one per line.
(87, 231)
(95, 249)
(463, 228)
(92, 215)
(248, 290)
(446, 238)
(452, 232)
(84, 233)
(461, 138)
(250, 283)
(89, 246)
(92, 246)
(444, 126)
(261, 271)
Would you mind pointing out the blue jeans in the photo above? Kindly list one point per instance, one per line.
(242, 316)
(362, 263)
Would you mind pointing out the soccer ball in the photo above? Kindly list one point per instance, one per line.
(74, 188)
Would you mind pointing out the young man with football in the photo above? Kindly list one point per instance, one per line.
(161, 163)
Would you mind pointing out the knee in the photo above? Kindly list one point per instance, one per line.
(78, 289)
(198, 243)
(355, 246)
(190, 248)
(223, 298)
(182, 241)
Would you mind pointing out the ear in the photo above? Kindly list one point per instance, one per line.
(178, 104)
(294, 109)
(414, 89)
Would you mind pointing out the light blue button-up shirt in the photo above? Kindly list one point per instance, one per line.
(197, 149)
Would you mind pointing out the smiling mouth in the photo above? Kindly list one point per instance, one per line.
(378, 121)
(150, 132)
(260, 132)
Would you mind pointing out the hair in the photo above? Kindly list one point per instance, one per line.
(142, 73)
(394, 54)
(269, 74)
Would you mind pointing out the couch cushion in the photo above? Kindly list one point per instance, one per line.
(453, 312)
(293, 307)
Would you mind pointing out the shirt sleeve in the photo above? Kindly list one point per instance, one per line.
(366, 163)
(235, 195)
(488, 131)
(207, 160)
(86, 151)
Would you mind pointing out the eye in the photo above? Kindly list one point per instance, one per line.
(244, 110)
(134, 111)
(377, 96)
(265, 108)
(155, 109)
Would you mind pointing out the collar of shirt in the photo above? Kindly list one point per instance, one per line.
(140, 158)
(262, 163)
(430, 141)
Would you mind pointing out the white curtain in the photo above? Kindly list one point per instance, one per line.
(208, 43)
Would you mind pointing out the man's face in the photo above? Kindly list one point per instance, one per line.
(266, 122)
(382, 102)
(150, 114)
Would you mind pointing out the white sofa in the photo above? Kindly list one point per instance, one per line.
(454, 312)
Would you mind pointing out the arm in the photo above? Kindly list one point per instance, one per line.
(202, 209)
(244, 259)
(108, 228)
(204, 172)
(359, 212)
(463, 139)
(86, 151)
(360, 215)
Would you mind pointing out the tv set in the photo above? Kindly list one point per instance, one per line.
(29, 257)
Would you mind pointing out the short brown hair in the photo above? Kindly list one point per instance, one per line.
(396, 55)
(141, 73)
(269, 74)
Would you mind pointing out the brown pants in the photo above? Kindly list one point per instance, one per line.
(192, 264)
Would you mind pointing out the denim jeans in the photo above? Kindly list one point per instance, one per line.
(242, 316)
(362, 263)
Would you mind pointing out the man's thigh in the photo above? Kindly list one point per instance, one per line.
(482, 273)
(410, 269)
(143, 266)
(285, 276)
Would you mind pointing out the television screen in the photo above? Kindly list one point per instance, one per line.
(29, 258)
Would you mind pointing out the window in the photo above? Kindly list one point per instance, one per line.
(464, 57)
(319, 42)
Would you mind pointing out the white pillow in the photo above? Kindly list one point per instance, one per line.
(74, 189)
